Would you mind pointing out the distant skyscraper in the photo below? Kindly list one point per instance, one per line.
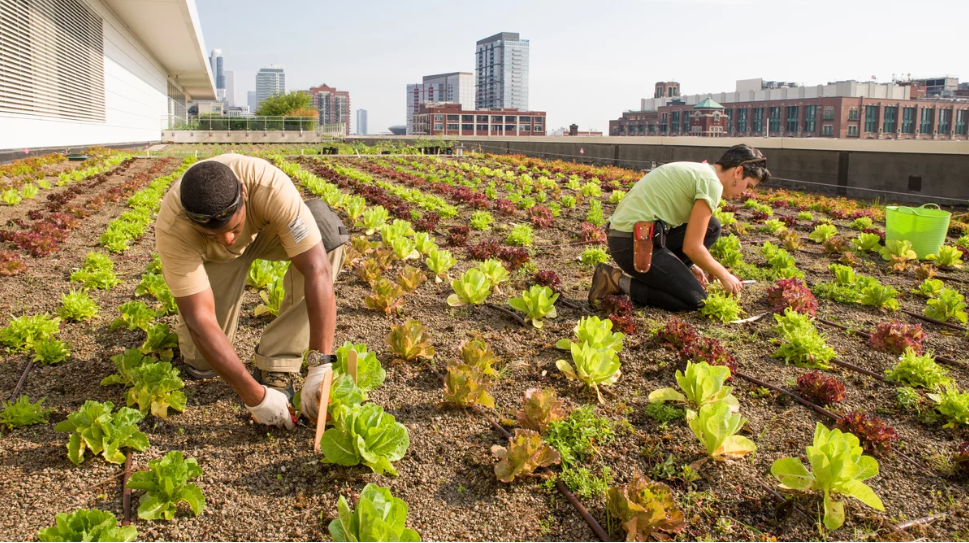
(361, 122)
(270, 80)
(215, 61)
(453, 88)
(230, 88)
(502, 72)
(251, 101)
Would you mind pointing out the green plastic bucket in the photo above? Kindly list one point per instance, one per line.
(924, 227)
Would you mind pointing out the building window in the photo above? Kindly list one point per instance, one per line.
(686, 121)
(908, 120)
(496, 118)
(676, 120)
(792, 113)
(524, 119)
(852, 130)
(469, 127)
(925, 126)
(510, 119)
(891, 119)
(871, 119)
(525, 128)
(943, 121)
(827, 130)
(438, 117)
(758, 119)
(775, 119)
(438, 126)
(852, 113)
(742, 119)
(453, 118)
(961, 122)
(829, 113)
(510, 128)
(482, 118)
(467, 118)
(810, 118)
(482, 127)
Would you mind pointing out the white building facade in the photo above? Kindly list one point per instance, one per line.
(270, 80)
(97, 72)
(502, 72)
(230, 88)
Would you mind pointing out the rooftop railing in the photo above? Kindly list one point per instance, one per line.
(222, 122)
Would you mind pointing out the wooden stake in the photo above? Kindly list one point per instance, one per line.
(324, 402)
(352, 364)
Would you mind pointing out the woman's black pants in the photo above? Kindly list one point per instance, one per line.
(669, 284)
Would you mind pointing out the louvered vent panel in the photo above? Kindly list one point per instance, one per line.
(51, 59)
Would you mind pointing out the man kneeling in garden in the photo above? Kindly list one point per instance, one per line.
(223, 214)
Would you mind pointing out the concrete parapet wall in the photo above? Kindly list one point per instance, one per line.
(239, 136)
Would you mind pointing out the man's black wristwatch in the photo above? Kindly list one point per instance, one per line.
(315, 358)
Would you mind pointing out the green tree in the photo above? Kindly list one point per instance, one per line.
(283, 104)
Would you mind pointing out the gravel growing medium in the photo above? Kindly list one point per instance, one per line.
(267, 484)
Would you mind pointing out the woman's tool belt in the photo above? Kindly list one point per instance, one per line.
(645, 236)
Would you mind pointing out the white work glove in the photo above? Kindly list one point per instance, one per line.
(273, 410)
(309, 401)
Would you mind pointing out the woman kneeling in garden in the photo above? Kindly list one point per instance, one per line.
(662, 230)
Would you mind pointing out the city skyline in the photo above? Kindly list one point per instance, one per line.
(583, 69)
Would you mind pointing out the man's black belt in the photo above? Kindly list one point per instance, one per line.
(619, 234)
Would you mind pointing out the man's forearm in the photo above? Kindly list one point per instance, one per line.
(218, 352)
(321, 309)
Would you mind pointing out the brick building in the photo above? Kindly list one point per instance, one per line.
(333, 105)
(862, 117)
(435, 118)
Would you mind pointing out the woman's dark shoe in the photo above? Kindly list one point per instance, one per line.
(605, 281)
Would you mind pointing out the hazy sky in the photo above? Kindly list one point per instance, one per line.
(590, 61)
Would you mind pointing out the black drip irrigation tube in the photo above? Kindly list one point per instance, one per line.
(935, 321)
(21, 381)
(559, 485)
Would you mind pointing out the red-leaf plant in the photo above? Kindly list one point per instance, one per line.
(591, 233)
(11, 264)
(484, 250)
(677, 334)
(458, 236)
(791, 293)
(540, 216)
(514, 257)
(548, 278)
(617, 304)
(961, 458)
(711, 351)
(623, 323)
(895, 337)
(875, 436)
(820, 388)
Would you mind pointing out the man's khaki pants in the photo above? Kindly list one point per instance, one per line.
(288, 335)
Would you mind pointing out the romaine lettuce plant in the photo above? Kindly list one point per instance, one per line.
(644, 507)
(716, 427)
(261, 273)
(370, 374)
(495, 272)
(540, 409)
(124, 363)
(377, 516)
(95, 428)
(440, 262)
(837, 467)
(373, 218)
(948, 305)
(594, 367)
(930, 288)
(22, 333)
(96, 273)
(23, 413)
(472, 288)
(410, 278)
(526, 452)
(166, 485)
(51, 351)
(520, 236)
(702, 384)
(475, 352)
(596, 332)
(880, 296)
(160, 341)
(466, 385)
(948, 258)
(899, 253)
(822, 232)
(367, 270)
(409, 342)
(272, 297)
(156, 387)
(87, 525)
(366, 436)
(537, 303)
(387, 296)
(727, 251)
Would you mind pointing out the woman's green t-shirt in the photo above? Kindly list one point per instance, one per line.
(668, 193)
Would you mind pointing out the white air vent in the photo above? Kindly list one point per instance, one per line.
(51, 59)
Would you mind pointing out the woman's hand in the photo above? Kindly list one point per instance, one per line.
(700, 275)
(731, 284)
